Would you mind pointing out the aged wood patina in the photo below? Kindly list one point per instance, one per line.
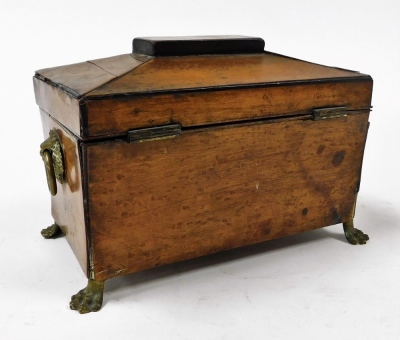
(193, 145)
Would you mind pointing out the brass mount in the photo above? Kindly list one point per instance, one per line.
(52, 155)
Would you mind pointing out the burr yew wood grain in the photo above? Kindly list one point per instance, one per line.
(157, 202)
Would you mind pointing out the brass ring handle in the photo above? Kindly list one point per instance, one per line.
(52, 155)
(51, 177)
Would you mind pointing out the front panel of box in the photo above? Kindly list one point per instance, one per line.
(217, 188)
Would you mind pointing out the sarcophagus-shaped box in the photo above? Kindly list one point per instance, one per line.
(190, 146)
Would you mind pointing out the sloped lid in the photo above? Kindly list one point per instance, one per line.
(138, 73)
(202, 64)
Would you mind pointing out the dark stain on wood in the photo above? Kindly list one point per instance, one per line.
(336, 217)
(321, 149)
(338, 158)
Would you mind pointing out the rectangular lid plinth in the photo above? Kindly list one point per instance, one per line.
(180, 46)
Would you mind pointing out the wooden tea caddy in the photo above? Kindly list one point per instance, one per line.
(194, 145)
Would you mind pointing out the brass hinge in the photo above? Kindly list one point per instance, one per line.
(154, 133)
(329, 112)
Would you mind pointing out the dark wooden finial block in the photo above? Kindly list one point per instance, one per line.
(180, 46)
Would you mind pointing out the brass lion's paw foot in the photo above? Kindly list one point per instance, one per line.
(356, 236)
(52, 231)
(353, 235)
(88, 299)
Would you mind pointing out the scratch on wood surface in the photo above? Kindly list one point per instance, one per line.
(91, 62)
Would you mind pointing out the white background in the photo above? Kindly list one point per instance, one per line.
(310, 286)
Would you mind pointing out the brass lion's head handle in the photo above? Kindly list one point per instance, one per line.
(52, 155)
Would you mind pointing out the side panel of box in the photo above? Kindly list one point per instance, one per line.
(67, 205)
(59, 103)
(208, 190)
